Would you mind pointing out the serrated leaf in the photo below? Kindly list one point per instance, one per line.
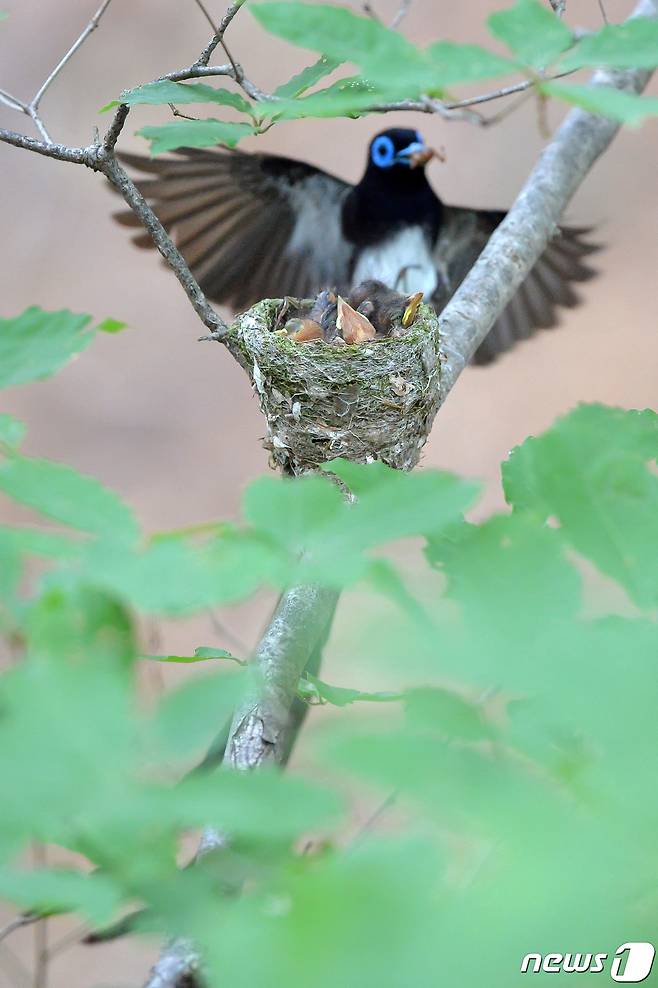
(12, 431)
(631, 45)
(189, 717)
(466, 63)
(334, 31)
(532, 32)
(346, 97)
(616, 104)
(508, 559)
(391, 504)
(49, 892)
(306, 78)
(291, 511)
(448, 714)
(176, 577)
(202, 654)
(264, 805)
(339, 696)
(591, 472)
(69, 497)
(165, 91)
(37, 343)
(73, 623)
(195, 134)
(33, 542)
(344, 36)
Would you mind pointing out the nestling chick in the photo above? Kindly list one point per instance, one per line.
(387, 310)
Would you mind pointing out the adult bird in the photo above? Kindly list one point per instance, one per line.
(254, 226)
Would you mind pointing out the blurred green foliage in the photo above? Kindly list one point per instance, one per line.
(391, 69)
(495, 801)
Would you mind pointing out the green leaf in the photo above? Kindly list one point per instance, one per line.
(391, 504)
(202, 654)
(306, 78)
(449, 715)
(206, 652)
(76, 713)
(345, 36)
(338, 696)
(165, 91)
(466, 63)
(591, 472)
(12, 431)
(49, 892)
(291, 511)
(310, 516)
(74, 624)
(174, 576)
(631, 45)
(628, 108)
(111, 326)
(33, 542)
(67, 496)
(533, 32)
(191, 716)
(346, 97)
(508, 559)
(37, 343)
(264, 805)
(195, 134)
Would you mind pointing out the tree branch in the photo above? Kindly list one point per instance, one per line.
(264, 726)
(218, 37)
(31, 109)
(260, 729)
(91, 26)
(521, 238)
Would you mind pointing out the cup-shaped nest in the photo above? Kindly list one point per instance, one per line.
(374, 401)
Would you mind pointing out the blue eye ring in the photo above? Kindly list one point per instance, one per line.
(382, 153)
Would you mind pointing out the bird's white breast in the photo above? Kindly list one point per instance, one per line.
(403, 262)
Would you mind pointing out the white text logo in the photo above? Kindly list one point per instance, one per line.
(631, 963)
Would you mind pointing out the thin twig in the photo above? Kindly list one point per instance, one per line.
(218, 37)
(405, 6)
(237, 70)
(31, 109)
(559, 6)
(518, 87)
(91, 26)
(370, 11)
(368, 825)
(603, 13)
(25, 919)
(12, 102)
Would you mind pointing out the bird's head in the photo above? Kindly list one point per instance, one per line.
(398, 150)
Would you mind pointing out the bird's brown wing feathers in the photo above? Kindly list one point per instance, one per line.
(548, 287)
(250, 226)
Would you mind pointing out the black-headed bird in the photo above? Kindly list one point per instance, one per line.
(254, 226)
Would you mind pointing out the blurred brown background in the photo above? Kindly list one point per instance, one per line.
(171, 423)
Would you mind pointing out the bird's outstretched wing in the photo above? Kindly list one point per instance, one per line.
(463, 235)
(250, 226)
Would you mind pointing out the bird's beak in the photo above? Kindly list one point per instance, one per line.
(406, 155)
(415, 155)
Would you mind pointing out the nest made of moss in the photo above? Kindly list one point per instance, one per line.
(376, 400)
